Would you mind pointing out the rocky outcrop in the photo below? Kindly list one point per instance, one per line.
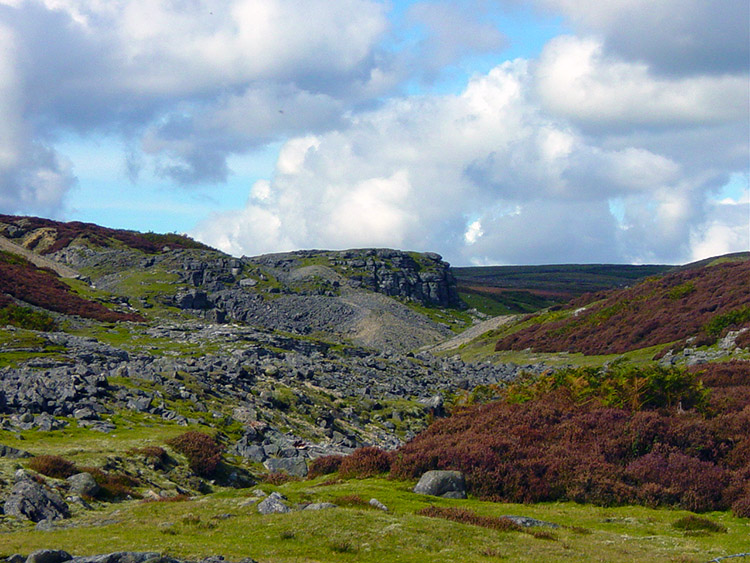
(28, 500)
(420, 277)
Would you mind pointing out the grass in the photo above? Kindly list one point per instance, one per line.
(19, 345)
(200, 527)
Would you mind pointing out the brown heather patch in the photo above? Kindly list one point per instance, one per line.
(704, 302)
(556, 447)
(465, 516)
(36, 286)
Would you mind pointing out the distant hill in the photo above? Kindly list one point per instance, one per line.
(522, 289)
(700, 303)
(45, 236)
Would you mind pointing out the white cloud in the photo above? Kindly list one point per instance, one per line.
(671, 36)
(473, 232)
(537, 186)
(576, 79)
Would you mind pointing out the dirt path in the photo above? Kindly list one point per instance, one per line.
(37, 260)
(471, 333)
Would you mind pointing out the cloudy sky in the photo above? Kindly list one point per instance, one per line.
(492, 132)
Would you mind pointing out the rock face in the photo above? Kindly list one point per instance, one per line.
(420, 277)
(28, 500)
(446, 484)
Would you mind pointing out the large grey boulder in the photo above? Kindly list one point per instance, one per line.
(83, 484)
(294, 466)
(447, 484)
(28, 500)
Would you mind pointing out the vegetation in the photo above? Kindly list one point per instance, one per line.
(365, 462)
(25, 282)
(705, 302)
(202, 451)
(590, 438)
(24, 317)
(500, 290)
(65, 233)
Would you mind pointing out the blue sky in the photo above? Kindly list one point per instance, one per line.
(492, 132)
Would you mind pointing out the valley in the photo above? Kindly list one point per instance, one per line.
(191, 385)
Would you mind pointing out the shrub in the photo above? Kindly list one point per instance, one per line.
(53, 466)
(696, 523)
(113, 486)
(324, 465)
(557, 441)
(353, 501)
(741, 507)
(279, 478)
(202, 451)
(365, 462)
(26, 317)
(465, 516)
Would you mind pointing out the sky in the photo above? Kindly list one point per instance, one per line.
(489, 131)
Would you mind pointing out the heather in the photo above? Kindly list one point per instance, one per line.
(36, 286)
(202, 451)
(65, 233)
(573, 437)
(704, 303)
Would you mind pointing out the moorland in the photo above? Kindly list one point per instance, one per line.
(163, 399)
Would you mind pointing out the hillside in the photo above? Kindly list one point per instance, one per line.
(524, 289)
(701, 304)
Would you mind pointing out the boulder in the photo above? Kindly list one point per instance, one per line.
(448, 484)
(30, 501)
(320, 506)
(375, 503)
(48, 556)
(273, 504)
(12, 453)
(83, 484)
(294, 466)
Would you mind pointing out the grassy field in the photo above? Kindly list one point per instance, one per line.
(227, 523)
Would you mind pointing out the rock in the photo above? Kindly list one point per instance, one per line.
(375, 503)
(320, 506)
(48, 556)
(527, 522)
(441, 483)
(294, 466)
(125, 557)
(30, 501)
(12, 453)
(83, 484)
(273, 504)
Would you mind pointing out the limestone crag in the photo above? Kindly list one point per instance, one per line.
(421, 277)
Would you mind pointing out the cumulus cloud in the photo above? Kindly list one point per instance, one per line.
(32, 174)
(537, 186)
(576, 79)
(186, 84)
(673, 37)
